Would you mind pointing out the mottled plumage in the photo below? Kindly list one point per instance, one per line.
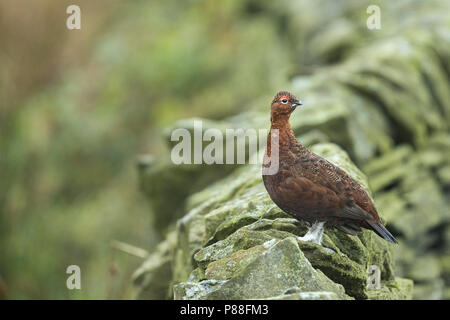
(312, 189)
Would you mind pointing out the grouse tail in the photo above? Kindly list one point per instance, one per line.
(382, 231)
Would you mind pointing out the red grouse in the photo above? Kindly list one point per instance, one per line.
(310, 188)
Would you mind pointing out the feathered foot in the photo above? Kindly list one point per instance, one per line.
(314, 234)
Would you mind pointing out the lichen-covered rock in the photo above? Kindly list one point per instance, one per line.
(174, 184)
(387, 104)
(297, 294)
(237, 239)
(398, 289)
(272, 269)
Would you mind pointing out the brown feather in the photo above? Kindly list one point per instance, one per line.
(313, 189)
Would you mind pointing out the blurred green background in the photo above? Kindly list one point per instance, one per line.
(78, 106)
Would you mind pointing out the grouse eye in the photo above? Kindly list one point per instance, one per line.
(284, 101)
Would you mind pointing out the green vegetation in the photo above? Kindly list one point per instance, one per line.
(77, 107)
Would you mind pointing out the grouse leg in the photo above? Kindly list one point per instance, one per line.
(315, 233)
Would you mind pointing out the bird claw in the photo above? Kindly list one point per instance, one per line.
(314, 234)
(310, 238)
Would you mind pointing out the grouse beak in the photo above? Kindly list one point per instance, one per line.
(296, 103)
